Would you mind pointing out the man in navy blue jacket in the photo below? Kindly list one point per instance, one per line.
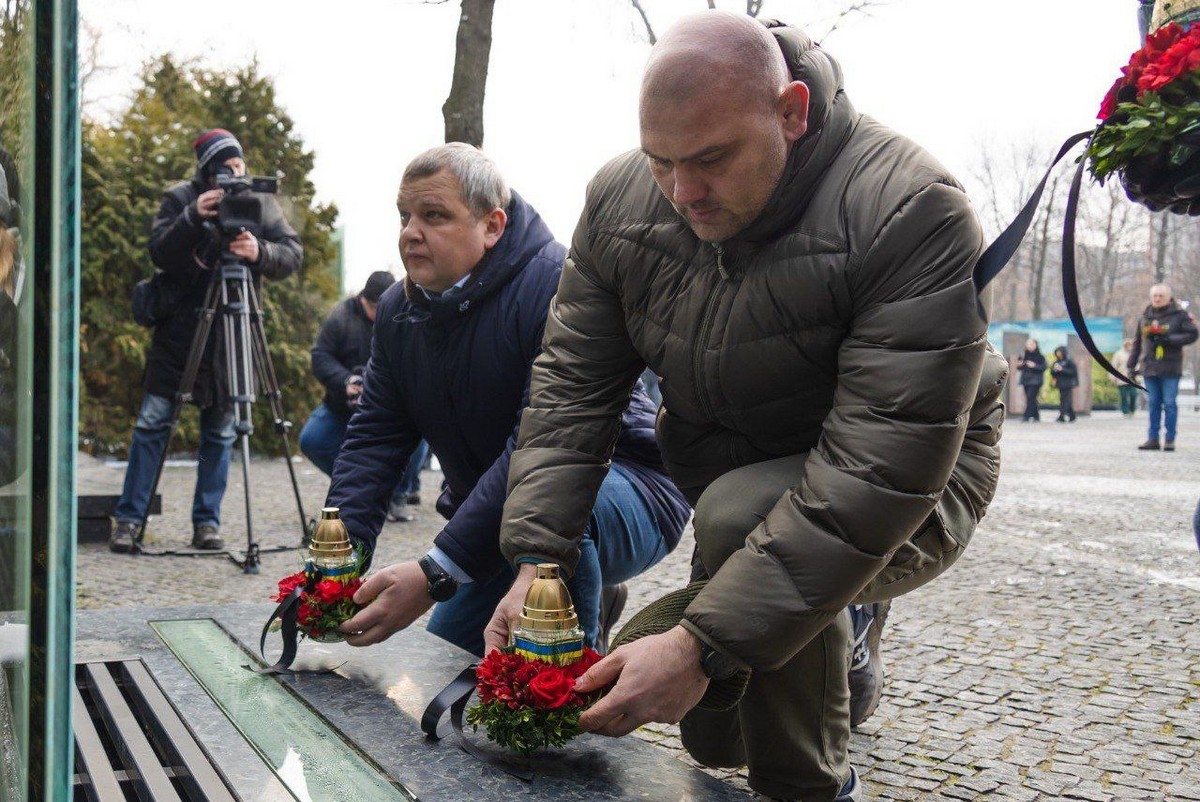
(450, 361)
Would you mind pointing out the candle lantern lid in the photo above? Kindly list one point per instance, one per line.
(330, 540)
(548, 602)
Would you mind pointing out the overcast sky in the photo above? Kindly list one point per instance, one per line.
(365, 81)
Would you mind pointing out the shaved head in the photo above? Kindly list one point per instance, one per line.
(715, 51)
(719, 112)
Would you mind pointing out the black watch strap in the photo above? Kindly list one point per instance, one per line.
(715, 664)
(441, 585)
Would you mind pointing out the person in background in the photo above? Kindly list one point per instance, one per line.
(1032, 366)
(1165, 328)
(1066, 379)
(338, 359)
(1128, 393)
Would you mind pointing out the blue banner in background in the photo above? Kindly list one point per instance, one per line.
(1108, 332)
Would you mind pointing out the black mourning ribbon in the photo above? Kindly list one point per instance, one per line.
(286, 613)
(454, 697)
(998, 254)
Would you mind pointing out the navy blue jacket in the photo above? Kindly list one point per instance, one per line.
(454, 370)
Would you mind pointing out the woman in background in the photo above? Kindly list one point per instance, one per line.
(1032, 366)
(1066, 379)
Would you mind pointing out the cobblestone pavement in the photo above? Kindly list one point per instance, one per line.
(1059, 659)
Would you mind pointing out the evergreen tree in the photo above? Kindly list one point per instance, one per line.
(126, 168)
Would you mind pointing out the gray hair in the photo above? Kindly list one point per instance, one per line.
(483, 188)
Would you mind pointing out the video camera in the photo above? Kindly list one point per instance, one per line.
(241, 208)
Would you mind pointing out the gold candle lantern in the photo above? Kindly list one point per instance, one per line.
(549, 628)
(330, 553)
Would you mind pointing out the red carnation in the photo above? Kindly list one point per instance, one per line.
(551, 688)
(288, 584)
(589, 658)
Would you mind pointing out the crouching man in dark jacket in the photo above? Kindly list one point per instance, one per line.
(186, 251)
(450, 362)
(338, 359)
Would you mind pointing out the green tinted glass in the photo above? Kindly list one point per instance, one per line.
(308, 755)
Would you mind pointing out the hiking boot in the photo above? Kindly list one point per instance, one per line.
(1151, 445)
(398, 512)
(866, 666)
(1169, 445)
(124, 537)
(207, 538)
(612, 604)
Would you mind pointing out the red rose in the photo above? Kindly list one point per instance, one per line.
(328, 591)
(308, 613)
(350, 588)
(551, 688)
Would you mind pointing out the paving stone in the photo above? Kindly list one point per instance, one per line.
(1058, 658)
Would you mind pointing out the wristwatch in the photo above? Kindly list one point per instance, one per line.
(715, 664)
(442, 586)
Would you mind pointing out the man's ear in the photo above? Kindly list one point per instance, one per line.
(495, 222)
(793, 109)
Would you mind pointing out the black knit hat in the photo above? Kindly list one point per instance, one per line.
(377, 284)
(215, 147)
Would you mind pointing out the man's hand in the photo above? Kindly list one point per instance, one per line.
(207, 203)
(245, 246)
(658, 679)
(394, 598)
(504, 620)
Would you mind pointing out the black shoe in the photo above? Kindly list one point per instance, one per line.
(124, 537)
(1169, 445)
(1151, 445)
(207, 538)
(612, 604)
(866, 666)
(398, 512)
(414, 499)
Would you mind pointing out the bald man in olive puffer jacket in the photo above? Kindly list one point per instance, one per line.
(800, 277)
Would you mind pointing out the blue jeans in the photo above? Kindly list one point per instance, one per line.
(622, 539)
(321, 440)
(150, 440)
(1163, 390)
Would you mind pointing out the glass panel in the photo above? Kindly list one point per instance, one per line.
(16, 320)
(308, 755)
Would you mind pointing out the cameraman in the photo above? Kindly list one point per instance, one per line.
(338, 360)
(185, 244)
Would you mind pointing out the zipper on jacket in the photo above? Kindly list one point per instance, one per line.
(705, 331)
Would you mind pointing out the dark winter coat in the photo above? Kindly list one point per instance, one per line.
(1033, 376)
(184, 250)
(843, 322)
(1162, 354)
(454, 370)
(1065, 373)
(343, 345)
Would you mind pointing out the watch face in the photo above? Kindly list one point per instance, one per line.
(442, 589)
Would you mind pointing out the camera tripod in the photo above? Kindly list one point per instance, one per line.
(232, 296)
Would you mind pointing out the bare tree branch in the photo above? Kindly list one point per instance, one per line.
(753, 7)
(863, 8)
(646, 20)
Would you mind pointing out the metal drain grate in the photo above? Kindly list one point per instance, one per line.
(131, 744)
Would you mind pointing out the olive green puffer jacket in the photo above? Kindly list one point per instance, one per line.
(843, 322)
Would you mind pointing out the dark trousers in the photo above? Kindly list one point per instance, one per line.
(1129, 397)
(1031, 402)
(1066, 404)
(792, 728)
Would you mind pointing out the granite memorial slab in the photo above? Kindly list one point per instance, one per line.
(373, 698)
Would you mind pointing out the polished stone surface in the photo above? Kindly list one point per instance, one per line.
(375, 697)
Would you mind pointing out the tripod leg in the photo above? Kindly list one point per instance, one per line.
(184, 394)
(270, 388)
(250, 566)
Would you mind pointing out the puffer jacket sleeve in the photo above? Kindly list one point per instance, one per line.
(279, 244)
(579, 389)
(908, 372)
(175, 233)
